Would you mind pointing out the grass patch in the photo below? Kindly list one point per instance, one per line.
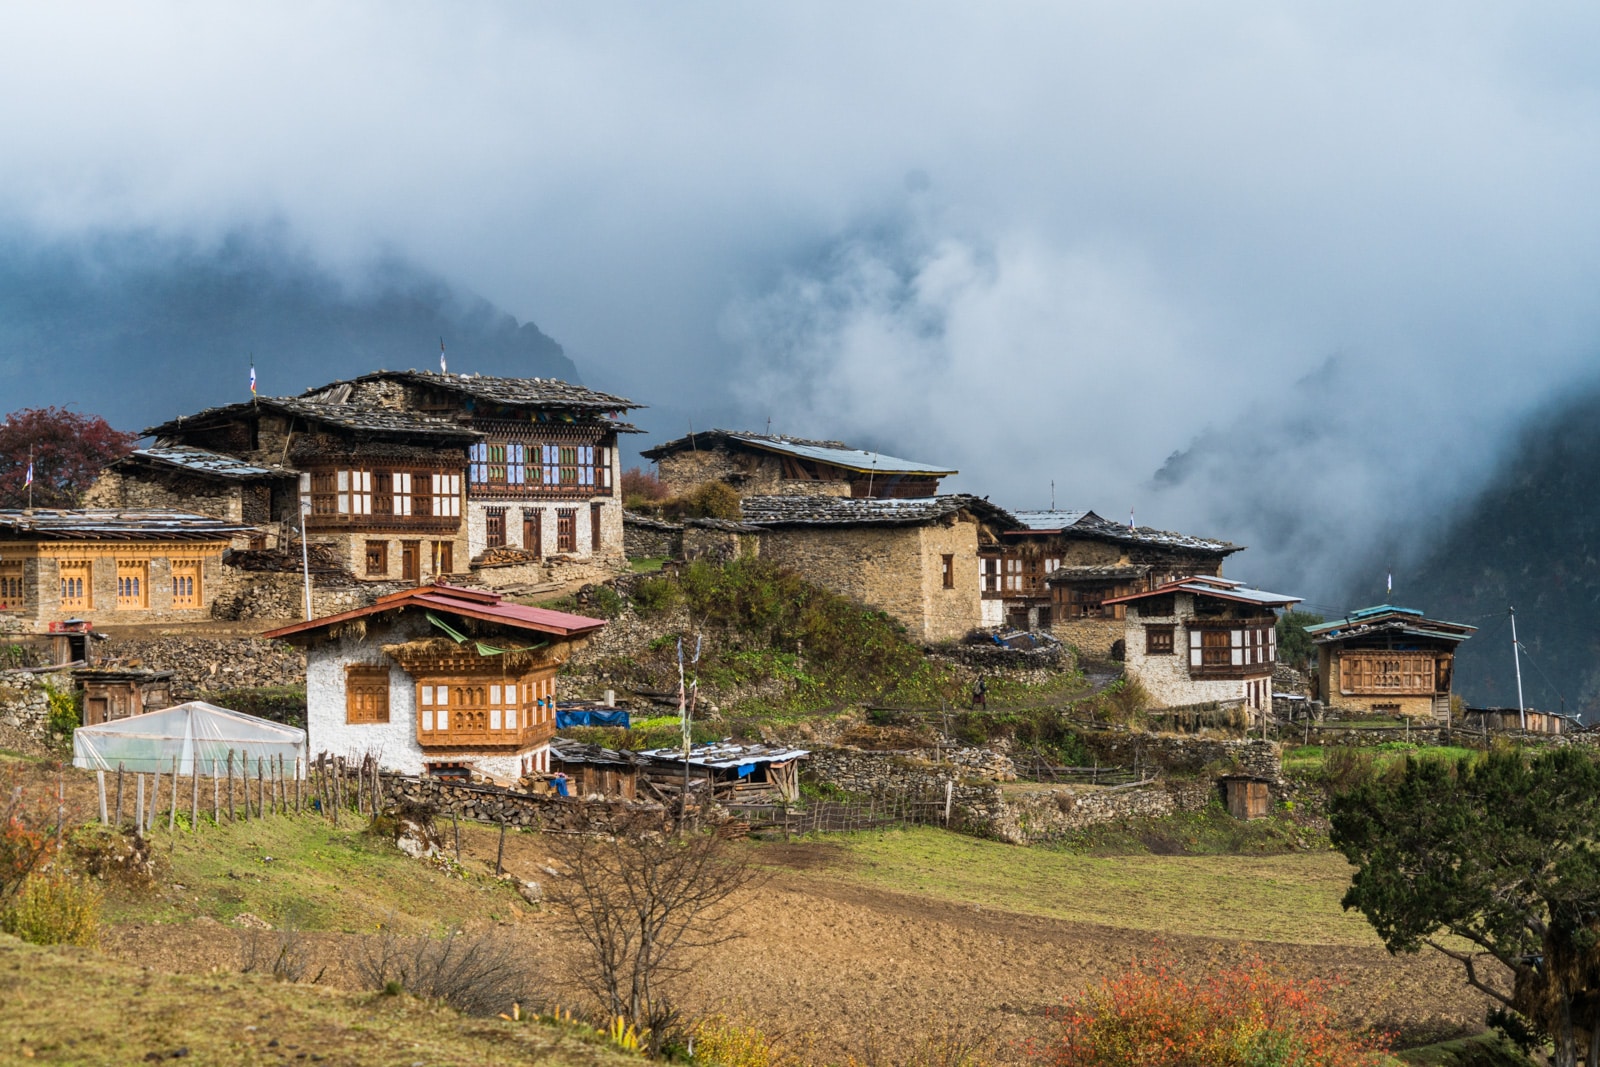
(73, 1006)
(1291, 899)
(1308, 760)
(1210, 832)
(1481, 1050)
(647, 565)
(299, 868)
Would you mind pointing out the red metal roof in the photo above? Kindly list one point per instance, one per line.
(468, 603)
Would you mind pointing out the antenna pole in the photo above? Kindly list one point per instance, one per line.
(305, 554)
(1516, 658)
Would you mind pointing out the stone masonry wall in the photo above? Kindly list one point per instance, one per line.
(1092, 637)
(484, 803)
(25, 702)
(203, 665)
(1186, 755)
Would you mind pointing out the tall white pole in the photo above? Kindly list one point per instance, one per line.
(1516, 657)
(305, 554)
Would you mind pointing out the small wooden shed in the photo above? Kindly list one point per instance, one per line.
(591, 769)
(110, 694)
(1248, 796)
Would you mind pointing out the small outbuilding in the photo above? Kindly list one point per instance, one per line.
(110, 693)
(1388, 660)
(734, 772)
(196, 734)
(1248, 796)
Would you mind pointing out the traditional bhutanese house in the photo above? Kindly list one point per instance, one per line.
(385, 489)
(437, 679)
(544, 474)
(734, 772)
(1517, 719)
(1387, 660)
(101, 566)
(197, 479)
(1202, 640)
(915, 559)
(756, 464)
(1057, 569)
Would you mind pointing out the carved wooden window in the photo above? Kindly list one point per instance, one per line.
(566, 529)
(77, 586)
(444, 557)
(366, 694)
(377, 559)
(1386, 672)
(11, 584)
(1158, 641)
(947, 570)
(186, 583)
(989, 568)
(447, 496)
(133, 584)
(495, 527)
(400, 499)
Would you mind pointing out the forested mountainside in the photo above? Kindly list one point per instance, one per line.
(1529, 539)
(139, 329)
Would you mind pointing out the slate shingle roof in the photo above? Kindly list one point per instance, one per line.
(114, 524)
(864, 511)
(514, 392)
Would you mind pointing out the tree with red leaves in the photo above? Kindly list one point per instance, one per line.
(68, 451)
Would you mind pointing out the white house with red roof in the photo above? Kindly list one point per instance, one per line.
(437, 680)
(1203, 639)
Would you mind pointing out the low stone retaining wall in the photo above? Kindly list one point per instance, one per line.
(1186, 755)
(483, 803)
(25, 702)
(210, 664)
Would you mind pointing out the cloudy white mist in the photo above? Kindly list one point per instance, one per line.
(1127, 229)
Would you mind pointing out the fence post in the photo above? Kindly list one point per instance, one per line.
(119, 794)
(155, 799)
(216, 795)
(230, 785)
(500, 853)
(949, 799)
(138, 815)
(100, 789)
(172, 812)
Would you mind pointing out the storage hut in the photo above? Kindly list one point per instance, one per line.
(591, 769)
(734, 772)
(1248, 796)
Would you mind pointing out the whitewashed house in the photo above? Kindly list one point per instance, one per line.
(437, 680)
(1203, 639)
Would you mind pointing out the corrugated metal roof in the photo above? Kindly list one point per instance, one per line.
(1388, 619)
(1220, 588)
(864, 511)
(202, 461)
(470, 603)
(833, 453)
(114, 524)
(513, 392)
(724, 756)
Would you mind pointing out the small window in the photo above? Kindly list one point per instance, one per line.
(133, 584)
(444, 557)
(594, 527)
(1158, 641)
(495, 527)
(377, 559)
(366, 694)
(566, 529)
(949, 571)
(185, 583)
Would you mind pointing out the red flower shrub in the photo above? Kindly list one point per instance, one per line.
(1247, 1016)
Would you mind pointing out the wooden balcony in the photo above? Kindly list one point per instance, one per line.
(469, 731)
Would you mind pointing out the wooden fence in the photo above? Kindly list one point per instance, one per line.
(239, 789)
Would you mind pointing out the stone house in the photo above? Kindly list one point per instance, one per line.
(437, 679)
(1203, 640)
(916, 559)
(756, 464)
(543, 473)
(1057, 569)
(106, 566)
(1387, 660)
(184, 478)
(383, 489)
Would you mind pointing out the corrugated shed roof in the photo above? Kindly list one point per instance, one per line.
(469, 603)
(864, 511)
(724, 756)
(359, 418)
(513, 392)
(833, 453)
(114, 524)
(1219, 588)
(202, 461)
(1388, 619)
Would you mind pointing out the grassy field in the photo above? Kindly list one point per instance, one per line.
(1308, 759)
(305, 871)
(1291, 898)
(74, 1006)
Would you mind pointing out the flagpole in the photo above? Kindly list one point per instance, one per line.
(30, 477)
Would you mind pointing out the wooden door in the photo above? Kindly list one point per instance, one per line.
(532, 533)
(409, 569)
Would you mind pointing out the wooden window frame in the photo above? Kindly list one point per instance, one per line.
(533, 531)
(494, 527)
(133, 585)
(77, 584)
(377, 559)
(188, 592)
(444, 557)
(366, 694)
(566, 529)
(1160, 640)
(947, 572)
(411, 561)
(596, 514)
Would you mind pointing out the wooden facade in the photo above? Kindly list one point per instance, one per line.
(1387, 661)
(1247, 797)
(110, 694)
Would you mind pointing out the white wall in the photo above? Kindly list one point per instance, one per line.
(1166, 677)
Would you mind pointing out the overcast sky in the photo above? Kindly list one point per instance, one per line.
(1332, 254)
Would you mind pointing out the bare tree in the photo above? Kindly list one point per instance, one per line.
(479, 975)
(639, 898)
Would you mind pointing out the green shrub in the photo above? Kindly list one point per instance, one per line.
(54, 907)
(713, 500)
(655, 595)
(65, 716)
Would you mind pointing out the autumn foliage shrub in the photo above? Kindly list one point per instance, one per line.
(54, 907)
(1247, 1016)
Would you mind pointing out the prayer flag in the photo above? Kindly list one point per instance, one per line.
(252, 379)
(443, 369)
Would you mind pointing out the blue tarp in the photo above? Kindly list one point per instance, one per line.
(565, 719)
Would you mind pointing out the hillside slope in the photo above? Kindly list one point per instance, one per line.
(1529, 539)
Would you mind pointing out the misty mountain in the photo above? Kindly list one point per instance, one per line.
(139, 329)
(1529, 539)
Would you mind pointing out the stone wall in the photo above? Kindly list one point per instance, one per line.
(751, 472)
(144, 488)
(1092, 637)
(280, 595)
(897, 569)
(484, 803)
(25, 702)
(652, 539)
(1185, 755)
(203, 665)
